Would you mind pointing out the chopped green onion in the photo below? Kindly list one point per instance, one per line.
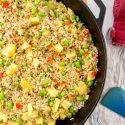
(56, 13)
(2, 62)
(77, 18)
(63, 93)
(65, 42)
(43, 93)
(90, 83)
(79, 24)
(45, 83)
(2, 96)
(80, 98)
(71, 109)
(90, 39)
(10, 104)
(41, 14)
(78, 65)
(73, 18)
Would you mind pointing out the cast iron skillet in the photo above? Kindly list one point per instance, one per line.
(95, 26)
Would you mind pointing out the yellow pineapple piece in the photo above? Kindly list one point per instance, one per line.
(11, 69)
(66, 104)
(25, 116)
(58, 47)
(39, 121)
(52, 92)
(25, 84)
(36, 63)
(56, 105)
(9, 50)
(90, 76)
(34, 21)
(30, 108)
(70, 54)
(25, 46)
(51, 122)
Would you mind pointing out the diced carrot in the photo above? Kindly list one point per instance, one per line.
(80, 38)
(49, 59)
(18, 105)
(49, 46)
(6, 4)
(11, 8)
(94, 73)
(54, 79)
(67, 22)
(27, 16)
(86, 32)
(77, 71)
(62, 55)
(63, 83)
(55, 54)
(1, 75)
(33, 123)
(86, 52)
(0, 2)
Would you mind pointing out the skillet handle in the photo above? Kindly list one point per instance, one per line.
(101, 17)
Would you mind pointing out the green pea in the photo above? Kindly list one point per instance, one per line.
(40, 113)
(1, 43)
(19, 12)
(63, 73)
(51, 103)
(90, 83)
(81, 52)
(34, 10)
(61, 63)
(69, 115)
(10, 104)
(63, 93)
(78, 65)
(41, 14)
(52, 98)
(36, 2)
(65, 42)
(71, 109)
(17, 83)
(85, 46)
(42, 93)
(19, 120)
(79, 98)
(80, 59)
(90, 39)
(79, 24)
(2, 96)
(45, 83)
(2, 62)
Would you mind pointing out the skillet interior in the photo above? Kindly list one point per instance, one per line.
(90, 22)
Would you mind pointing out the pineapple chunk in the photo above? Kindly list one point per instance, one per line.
(39, 121)
(30, 108)
(62, 114)
(52, 92)
(25, 84)
(60, 23)
(34, 21)
(34, 114)
(25, 116)
(58, 47)
(56, 105)
(51, 122)
(11, 69)
(66, 104)
(3, 117)
(82, 89)
(70, 54)
(9, 50)
(36, 63)
(25, 46)
(90, 76)
(70, 12)
(28, 5)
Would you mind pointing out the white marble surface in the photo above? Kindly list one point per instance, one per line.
(115, 70)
